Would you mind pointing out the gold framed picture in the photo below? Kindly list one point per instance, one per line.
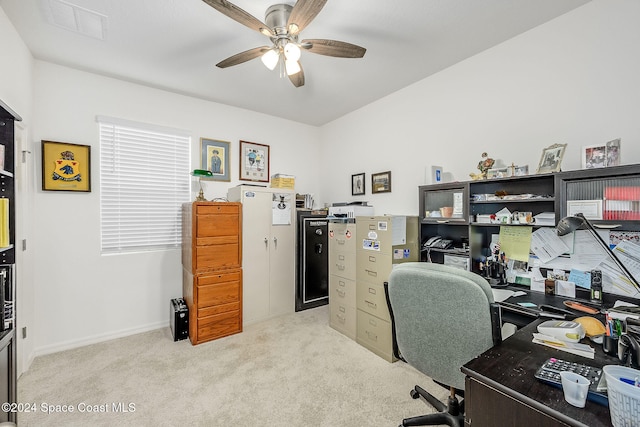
(551, 159)
(66, 166)
(381, 182)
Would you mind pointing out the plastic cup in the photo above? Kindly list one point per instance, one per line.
(575, 387)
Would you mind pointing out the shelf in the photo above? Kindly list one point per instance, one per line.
(448, 221)
(501, 201)
(484, 224)
(6, 173)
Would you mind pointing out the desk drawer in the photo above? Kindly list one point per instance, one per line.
(343, 264)
(371, 299)
(342, 290)
(343, 319)
(374, 334)
(373, 267)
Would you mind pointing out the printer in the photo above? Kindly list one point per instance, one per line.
(350, 210)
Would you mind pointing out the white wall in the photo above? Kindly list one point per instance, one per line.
(82, 296)
(574, 80)
(16, 91)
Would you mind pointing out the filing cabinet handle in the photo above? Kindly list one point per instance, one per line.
(372, 291)
(341, 318)
(372, 259)
(341, 257)
(341, 283)
(340, 266)
(372, 336)
(341, 241)
(372, 273)
(266, 242)
(371, 304)
(341, 292)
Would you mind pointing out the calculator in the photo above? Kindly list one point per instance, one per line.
(550, 370)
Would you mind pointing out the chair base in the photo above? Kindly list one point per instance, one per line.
(451, 414)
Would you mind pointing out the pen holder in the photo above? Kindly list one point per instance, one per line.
(610, 345)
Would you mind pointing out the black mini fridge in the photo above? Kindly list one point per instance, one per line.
(312, 259)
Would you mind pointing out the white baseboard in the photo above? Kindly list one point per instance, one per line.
(68, 345)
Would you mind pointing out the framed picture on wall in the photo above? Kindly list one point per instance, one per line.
(551, 159)
(381, 182)
(254, 161)
(215, 158)
(357, 184)
(66, 166)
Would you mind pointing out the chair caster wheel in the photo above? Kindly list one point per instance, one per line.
(414, 394)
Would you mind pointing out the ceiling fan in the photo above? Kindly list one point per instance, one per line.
(283, 24)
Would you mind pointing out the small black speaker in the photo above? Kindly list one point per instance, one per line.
(179, 319)
(596, 286)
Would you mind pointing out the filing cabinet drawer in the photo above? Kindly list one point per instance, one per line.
(373, 267)
(219, 277)
(342, 264)
(371, 299)
(343, 319)
(217, 294)
(213, 257)
(342, 291)
(374, 334)
(219, 325)
(376, 230)
(218, 209)
(342, 237)
(219, 309)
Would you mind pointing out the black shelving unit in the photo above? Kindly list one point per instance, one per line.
(8, 369)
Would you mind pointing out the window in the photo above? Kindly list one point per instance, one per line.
(144, 179)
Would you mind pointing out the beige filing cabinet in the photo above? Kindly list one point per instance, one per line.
(268, 250)
(381, 243)
(342, 276)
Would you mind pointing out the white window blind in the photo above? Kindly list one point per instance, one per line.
(144, 179)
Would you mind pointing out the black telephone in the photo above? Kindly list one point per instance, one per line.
(437, 242)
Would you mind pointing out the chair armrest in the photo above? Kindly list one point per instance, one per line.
(496, 322)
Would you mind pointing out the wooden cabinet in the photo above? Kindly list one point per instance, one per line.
(268, 250)
(381, 242)
(8, 377)
(212, 273)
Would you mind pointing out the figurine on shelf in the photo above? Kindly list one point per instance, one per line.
(483, 166)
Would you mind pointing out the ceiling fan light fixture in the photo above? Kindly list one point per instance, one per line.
(270, 59)
(292, 67)
(292, 52)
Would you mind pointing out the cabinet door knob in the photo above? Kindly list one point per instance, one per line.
(275, 241)
(266, 241)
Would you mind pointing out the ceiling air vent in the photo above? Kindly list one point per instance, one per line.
(75, 18)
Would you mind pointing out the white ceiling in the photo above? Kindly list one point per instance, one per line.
(175, 44)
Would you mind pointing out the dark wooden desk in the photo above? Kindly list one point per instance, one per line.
(501, 390)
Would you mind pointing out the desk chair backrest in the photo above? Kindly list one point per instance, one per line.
(442, 318)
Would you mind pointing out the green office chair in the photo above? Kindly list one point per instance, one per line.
(442, 317)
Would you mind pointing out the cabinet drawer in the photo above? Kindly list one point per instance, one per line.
(373, 267)
(219, 277)
(342, 237)
(342, 264)
(343, 319)
(217, 294)
(213, 257)
(375, 334)
(376, 230)
(218, 309)
(342, 290)
(218, 209)
(219, 325)
(371, 299)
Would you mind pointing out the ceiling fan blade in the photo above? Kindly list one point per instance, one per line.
(239, 15)
(333, 48)
(298, 78)
(241, 57)
(303, 13)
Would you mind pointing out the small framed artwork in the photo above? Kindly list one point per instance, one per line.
(381, 182)
(215, 158)
(601, 155)
(66, 166)
(551, 159)
(254, 162)
(357, 184)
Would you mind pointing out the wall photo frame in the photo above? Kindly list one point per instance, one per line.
(66, 166)
(381, 182)
(214, 157)
(551, 159)
(254, 161)
(358, 184)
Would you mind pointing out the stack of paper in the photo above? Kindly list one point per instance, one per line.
(583, 350)
(545, 218)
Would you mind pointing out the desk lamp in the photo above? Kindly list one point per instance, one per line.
(570, 224)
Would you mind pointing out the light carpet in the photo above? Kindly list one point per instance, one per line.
(293, 370)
